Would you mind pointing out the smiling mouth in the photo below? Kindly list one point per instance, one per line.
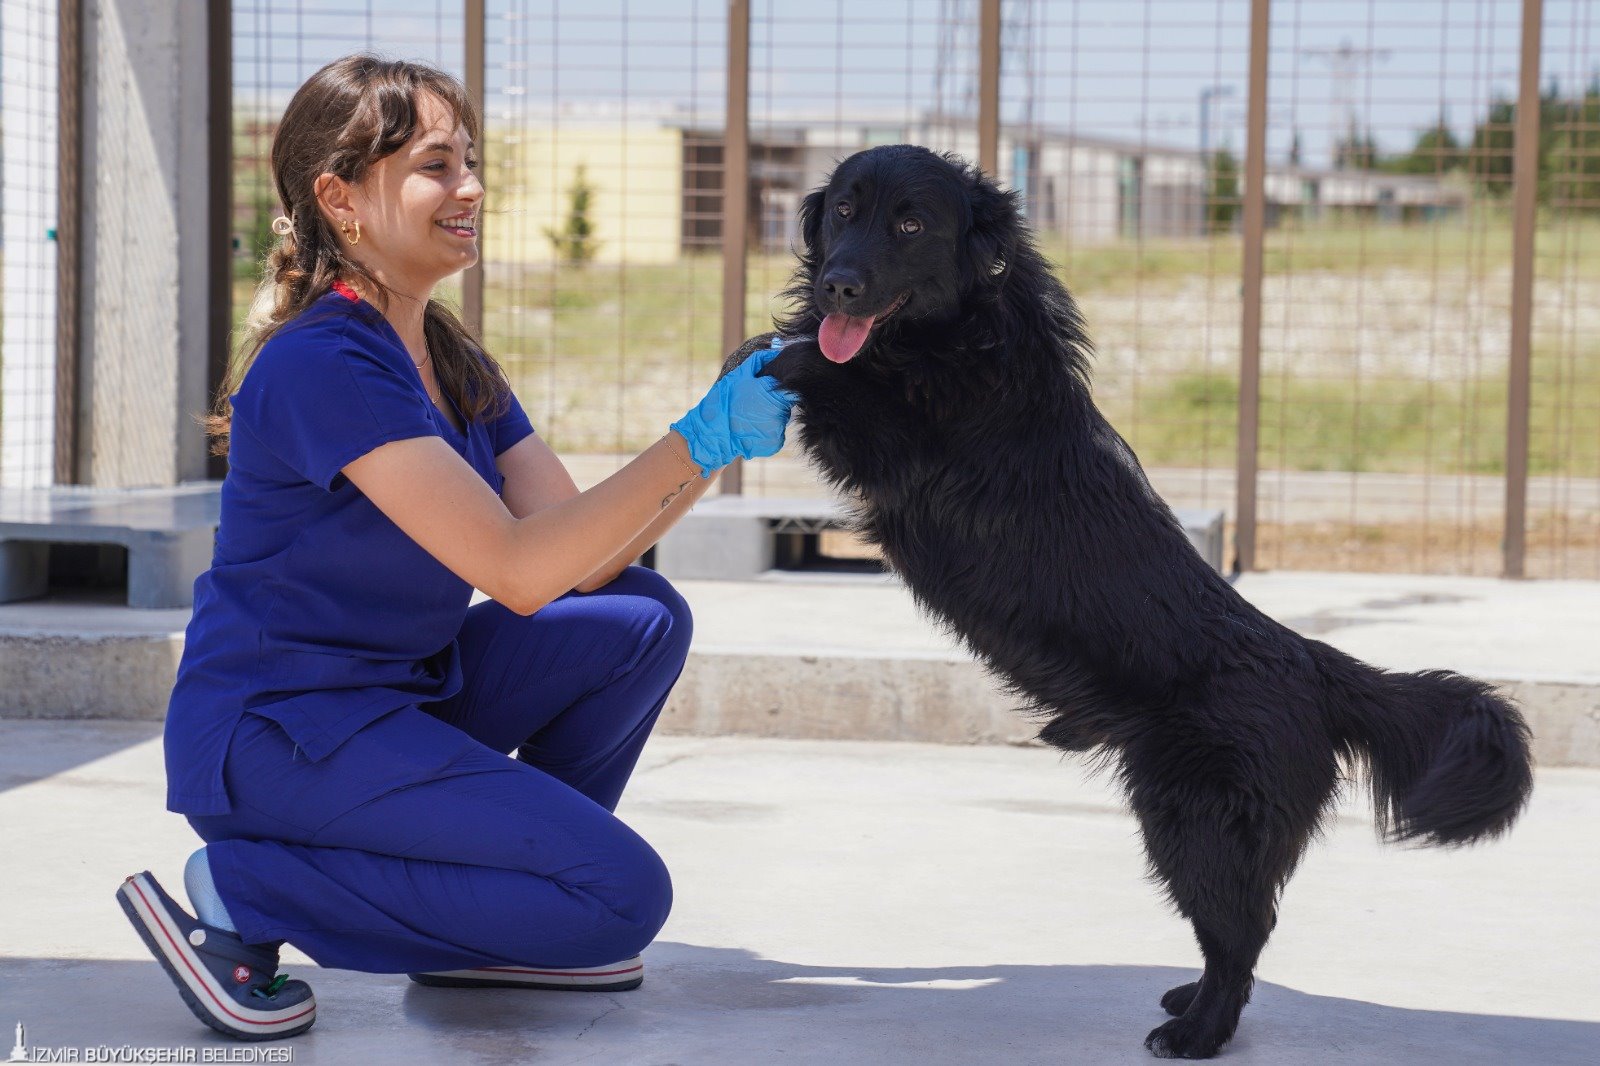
(842, 335)
(466, 226)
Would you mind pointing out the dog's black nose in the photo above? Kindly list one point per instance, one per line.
(843, 285)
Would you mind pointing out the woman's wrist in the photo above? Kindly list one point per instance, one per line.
(679, 447)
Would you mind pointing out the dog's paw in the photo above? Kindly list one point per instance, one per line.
(1184, 1038)
(744, 351)
(1177, 1000)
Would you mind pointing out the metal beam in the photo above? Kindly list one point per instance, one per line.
(989, 88)
(1254, 224)
(219, 211)
(1524, 194)
(735, 198)
(69, 258)
(472, 277)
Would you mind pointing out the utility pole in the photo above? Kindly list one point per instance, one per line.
(1346, 62)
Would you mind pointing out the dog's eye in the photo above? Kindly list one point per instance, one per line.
(842, 209)
(910, 225)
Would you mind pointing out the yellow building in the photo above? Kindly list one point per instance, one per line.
(634, 173)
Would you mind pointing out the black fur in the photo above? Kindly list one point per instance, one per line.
(965, 434)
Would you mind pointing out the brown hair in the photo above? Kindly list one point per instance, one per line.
(347, 116)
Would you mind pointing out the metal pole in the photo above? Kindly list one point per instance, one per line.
(735, 199)
(69, 209)
(1255, 219)
(1524, 194)
(989, 88)
(219, 163)
(472, 277)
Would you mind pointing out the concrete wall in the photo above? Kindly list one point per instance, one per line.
(144, 324)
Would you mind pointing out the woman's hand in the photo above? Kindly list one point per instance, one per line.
(743, 415)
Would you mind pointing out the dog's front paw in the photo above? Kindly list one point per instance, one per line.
(1184, 1038)
(744, 351)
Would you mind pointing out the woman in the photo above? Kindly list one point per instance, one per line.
(339, 729)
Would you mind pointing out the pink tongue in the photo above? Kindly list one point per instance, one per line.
(841, 336)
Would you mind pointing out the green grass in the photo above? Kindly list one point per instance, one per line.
(1478, 243)
(1395, 425)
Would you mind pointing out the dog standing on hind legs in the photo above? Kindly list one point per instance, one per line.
(943, 379)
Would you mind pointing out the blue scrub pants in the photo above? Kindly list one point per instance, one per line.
(418, 844)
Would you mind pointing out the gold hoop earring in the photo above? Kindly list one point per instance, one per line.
(344, 228)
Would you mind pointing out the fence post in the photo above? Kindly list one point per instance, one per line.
(1524, 203)
(219, 326)
(69, 200)
(1254, 225)
(989, 88)
(735, 198)
(472, 277)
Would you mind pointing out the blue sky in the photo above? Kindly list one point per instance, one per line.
(1133, 69)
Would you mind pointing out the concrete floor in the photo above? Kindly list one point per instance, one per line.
(859, 902)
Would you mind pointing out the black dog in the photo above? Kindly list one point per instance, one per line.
(947, 393)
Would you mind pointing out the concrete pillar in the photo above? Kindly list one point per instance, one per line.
(144, 331)
(27, 418)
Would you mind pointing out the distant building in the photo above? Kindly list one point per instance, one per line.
(655, 182)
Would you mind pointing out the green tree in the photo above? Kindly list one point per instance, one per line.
(1569, 138)
(1569, 174)
(1355, 150)
(1222, 190)
(575, 242)
(1437, 151)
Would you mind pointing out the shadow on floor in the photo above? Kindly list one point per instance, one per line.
(716, 1005)
(32, 749)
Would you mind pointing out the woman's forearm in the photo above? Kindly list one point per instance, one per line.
(556, 547)
(652, 533)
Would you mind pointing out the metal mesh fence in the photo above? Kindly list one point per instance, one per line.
(1124, 125)
(601, 278)
(1386, 298)
(1564, 423)
(277, 45)
(28, 52)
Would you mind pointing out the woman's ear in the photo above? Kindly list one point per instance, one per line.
(333, 195)
(811, 218)
(996, 222)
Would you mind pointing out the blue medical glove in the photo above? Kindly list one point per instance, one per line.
(742, 415)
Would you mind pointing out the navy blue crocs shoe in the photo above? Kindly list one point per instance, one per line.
(232, 986)
(613, 977)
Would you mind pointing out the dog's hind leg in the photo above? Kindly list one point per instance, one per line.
(1222, 868)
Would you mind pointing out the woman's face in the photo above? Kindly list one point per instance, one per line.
(418, 207)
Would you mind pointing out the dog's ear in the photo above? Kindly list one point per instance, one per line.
(811, 219)
(996, 223)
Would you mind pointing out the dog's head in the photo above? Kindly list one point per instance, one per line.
(899, 240)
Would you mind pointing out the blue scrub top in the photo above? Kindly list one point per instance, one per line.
(318, 612)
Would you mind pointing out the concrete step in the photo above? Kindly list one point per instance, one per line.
(834, 656)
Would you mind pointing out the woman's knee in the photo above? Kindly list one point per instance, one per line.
(643, 896)
(676, 618)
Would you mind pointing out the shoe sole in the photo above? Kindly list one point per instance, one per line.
(196, 985)
(594, 979)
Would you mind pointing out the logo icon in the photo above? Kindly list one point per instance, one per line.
(241, 974)
(19, 1052)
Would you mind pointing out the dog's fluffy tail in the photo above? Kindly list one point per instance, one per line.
(1448, 758)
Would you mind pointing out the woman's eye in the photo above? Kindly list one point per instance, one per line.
(910, 225)
(842, 210)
